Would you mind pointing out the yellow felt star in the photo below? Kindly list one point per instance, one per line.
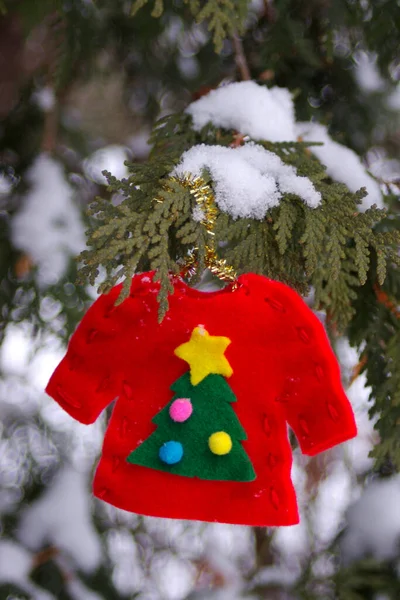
(205, 355)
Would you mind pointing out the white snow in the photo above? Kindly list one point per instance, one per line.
(48, 226)
(358, 448)
(260, 112)
(128, 575)
(224, 593)
(15, 561)
(26, 368)
(16, 564)
(5, 185)
(173, 576)
(198, 214)
(374, 522)
(139, 143)
(384, 168)
(268, 114)
(276, 574)
(342, 164)
(62, 517)
(45, 98)
(174, 28)
(292, 543)
(85, 441)
(248, 180)
(188, 66)
(334, 493)
(393, 100)
(110, 158)
(358, 392)
(387, 169)
(227, 545)
(16, 349)
(367, 73)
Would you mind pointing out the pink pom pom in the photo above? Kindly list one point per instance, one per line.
(180, 410)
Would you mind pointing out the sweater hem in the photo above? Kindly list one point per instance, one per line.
(245, 520)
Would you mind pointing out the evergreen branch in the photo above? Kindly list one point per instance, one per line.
(156, 12)
(75, 37)
(225, 18)
(376, 328)
(284, 224)
(328, 247)
(313, 238)
(376, 576)
(362, 256)
(151, 229)
(172, 134)
(337, 295)
(384, 299)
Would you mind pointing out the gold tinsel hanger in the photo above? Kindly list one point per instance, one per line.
(205, 200)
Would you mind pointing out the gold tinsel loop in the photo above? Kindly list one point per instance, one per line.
(205, 200)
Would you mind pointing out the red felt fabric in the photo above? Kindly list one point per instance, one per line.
(284, 372)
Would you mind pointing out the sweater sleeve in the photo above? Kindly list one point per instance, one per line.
(313, 398)
(86, 380)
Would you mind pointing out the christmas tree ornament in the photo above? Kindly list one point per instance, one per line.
(203, 399)
(180, 410)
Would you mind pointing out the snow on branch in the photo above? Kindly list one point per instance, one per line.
(262, 113)
(374, 522)
(247, 180)
(62, 517)
(268, 114)
(48, 227)
(15, 567)
(304, 220)
(342, 164)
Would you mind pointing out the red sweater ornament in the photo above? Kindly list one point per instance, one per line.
(199, 427)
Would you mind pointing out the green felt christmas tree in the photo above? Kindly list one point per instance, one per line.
(198, 434)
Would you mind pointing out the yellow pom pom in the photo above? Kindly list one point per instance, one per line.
(220, 443)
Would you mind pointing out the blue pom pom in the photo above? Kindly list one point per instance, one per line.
(171, 452)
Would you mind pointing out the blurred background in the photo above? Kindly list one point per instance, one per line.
(81, 84)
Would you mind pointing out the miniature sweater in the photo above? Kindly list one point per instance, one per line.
(276, 363)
